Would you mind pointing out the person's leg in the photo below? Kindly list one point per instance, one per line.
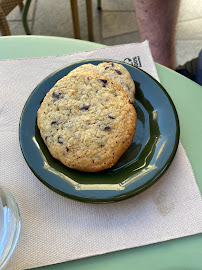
(157, 23)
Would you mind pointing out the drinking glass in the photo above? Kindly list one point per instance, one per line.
(9, 225)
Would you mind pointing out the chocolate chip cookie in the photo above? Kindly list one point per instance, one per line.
(87, 121)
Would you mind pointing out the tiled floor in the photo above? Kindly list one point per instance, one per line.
(115, 24)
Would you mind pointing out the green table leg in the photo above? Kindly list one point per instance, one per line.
(99, 5)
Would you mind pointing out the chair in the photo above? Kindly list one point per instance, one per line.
(6, 6)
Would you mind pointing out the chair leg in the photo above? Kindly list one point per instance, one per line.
(24, 17)
(99, 5)
(89, 18)
(4, 27)
(21, 6)
(75, 18)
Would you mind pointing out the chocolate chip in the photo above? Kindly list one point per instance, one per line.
(112, 64)
(56, 96)
(67, 149)
(54, 123)
(102, 145)
(60, 139)
(85, 107)
(104, 82)
(107, 128)
(106, 68)
(118, 71)
(46, 138)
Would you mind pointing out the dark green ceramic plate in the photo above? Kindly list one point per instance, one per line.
(150, 154)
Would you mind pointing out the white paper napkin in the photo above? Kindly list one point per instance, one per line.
(56, 229)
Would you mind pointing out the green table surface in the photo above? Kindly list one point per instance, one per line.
(184, 253)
